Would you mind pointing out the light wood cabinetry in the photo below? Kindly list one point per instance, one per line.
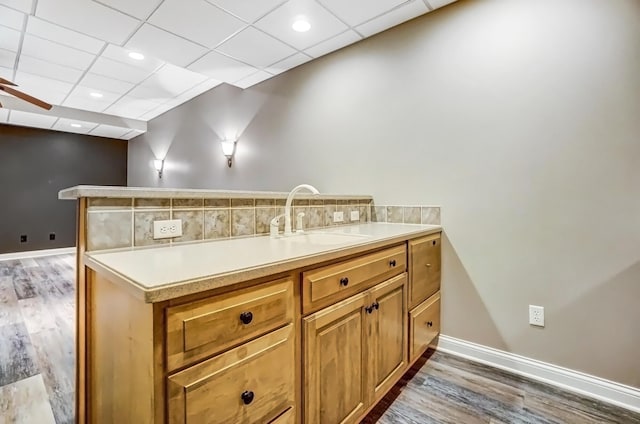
(315, 345)
(354, 351)
(424, 269)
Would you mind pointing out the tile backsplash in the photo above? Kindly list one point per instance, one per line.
(406, 214)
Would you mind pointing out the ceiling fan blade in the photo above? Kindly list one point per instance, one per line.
(26, 97)
(7, 82)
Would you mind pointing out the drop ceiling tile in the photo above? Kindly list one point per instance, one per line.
(80, 98)
(21, 5)
(56, 53)
(131, 107)
(222, 68)
(395, 17)
(119, 71)
(323, 24)
(131, 134)
(355, 12)
(6, 72)
(102, 84)
(11, 18)
(333, 44)
(253, 79)
(58, 34)
(7, 58)
(141, 9)
(67, 125)
(42, 68)
(46, 89)
(288, 63)
(27, 119)
(109, 131)
(9, 39)
(4, 115)
(248, 10)
(89, 18)
(200, 22)
(154, 113)
(193, 92)
(167, 83)
(255, 48)
(153, 41)
(436, 4)
(120, 54)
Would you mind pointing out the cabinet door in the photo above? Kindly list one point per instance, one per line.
(425, 326)
(388, 335)
(334, 363)
(252, 383)
(424, 273)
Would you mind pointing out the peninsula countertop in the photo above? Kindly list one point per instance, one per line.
(164, 273)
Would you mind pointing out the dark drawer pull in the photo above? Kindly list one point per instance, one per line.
(247, 397)
(369, 309)
(344, 281)
(429, 323)
(376, 305)
(392, 262)
(246, 317)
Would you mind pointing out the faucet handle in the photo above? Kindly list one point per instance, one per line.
(299, 225)
(274, 225)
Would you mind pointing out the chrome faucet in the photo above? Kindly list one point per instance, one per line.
(287, 207)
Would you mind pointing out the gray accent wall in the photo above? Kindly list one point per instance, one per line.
(34, 165)
(519, 118)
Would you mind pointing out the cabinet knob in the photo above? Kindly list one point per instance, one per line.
(376, 305)
(246, 317)
(428, 265)
(344, 281)
(429, 323)
(392, 262)
(247, 397)
(369, 309)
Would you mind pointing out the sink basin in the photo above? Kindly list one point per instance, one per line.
(324, 239)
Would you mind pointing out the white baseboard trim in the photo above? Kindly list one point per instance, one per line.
(607, 391)
(37, 253)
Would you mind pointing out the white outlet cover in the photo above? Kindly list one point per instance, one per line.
(167, 228)
(536, 315)
(355, 215)
(338, 216)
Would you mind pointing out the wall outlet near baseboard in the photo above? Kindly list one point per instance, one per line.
(167, 228)
(536, 315)
(338, 216)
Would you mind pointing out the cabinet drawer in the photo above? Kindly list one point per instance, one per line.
(424, 271)
(424, 323)
(327, 285)
(289, 417)
(252, 383)
(206, 327)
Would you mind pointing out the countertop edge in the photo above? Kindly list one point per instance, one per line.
(198, 285)
(74, 193)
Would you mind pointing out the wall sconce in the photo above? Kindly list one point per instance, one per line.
(229, 149)
(159, 165)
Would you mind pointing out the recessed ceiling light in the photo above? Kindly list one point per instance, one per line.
(76, 125)
(301, 25)
(136, 55)
(96, 95)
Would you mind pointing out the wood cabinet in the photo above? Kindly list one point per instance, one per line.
(424, 268)
(354, 351)
(424, 326)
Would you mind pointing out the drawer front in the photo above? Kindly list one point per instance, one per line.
(424, 271)
(253, 383)
(205, 327)
(424, 323)
(288, 417)
(331, 283)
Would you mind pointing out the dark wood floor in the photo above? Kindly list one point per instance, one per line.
(37, 368)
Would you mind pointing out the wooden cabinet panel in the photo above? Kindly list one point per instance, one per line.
(424, 271)
(329, 284)
(206, 327)
(334, 363)
(289, 417)
(252, 383)
(424, 325)
(389, 333)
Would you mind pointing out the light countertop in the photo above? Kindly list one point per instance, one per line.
(77, 192)
(163, 273)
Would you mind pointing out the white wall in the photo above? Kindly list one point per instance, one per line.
(521, 118)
